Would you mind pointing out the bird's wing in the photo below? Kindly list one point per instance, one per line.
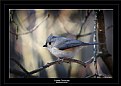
(70, 43)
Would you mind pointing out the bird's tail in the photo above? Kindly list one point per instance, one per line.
(85, 44)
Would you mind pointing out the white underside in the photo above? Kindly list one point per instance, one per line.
(61, 53)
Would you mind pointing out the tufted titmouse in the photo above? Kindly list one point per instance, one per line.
(63, 47)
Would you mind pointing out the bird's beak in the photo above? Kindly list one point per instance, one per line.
(44, 45)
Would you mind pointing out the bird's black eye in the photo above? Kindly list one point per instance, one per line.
(49, 43)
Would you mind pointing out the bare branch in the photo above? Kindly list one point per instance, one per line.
(66, 60)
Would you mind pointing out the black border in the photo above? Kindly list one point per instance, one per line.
(60, 0)
(0, 54)
(56, 5)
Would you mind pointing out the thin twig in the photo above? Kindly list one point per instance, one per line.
(86, 17)
(87, 34)
(89, 61)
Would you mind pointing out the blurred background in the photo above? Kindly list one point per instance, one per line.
(30, 28)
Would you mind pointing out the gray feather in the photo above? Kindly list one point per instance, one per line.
(66, 43)
(70, 43)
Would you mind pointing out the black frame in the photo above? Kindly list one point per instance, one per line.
(56, 5)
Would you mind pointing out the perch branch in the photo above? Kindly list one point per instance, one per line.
(67, 60)
(29, 74)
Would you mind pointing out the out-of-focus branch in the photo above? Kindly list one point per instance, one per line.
(17, 72)
(19, 65)
(85, 20)
(87, 34)
(21, 74)
(33, 29)
(68, 34)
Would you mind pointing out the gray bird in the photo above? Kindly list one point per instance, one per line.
(63, 47)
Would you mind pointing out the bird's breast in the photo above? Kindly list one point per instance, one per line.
(62, 53)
